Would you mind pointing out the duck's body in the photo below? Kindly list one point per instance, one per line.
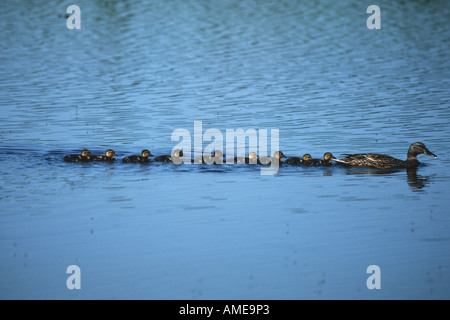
(175, 157)
(307, 160)
(216, 158)
(251, 159)
(374, 160)
(278, 157)
(143, 158)
(85, 156)
(294, 161)
(108, 157)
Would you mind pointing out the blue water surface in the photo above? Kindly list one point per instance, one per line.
(138, 70)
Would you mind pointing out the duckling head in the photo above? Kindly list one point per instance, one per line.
(328, 156)
(307, 157)
(85, 153)
(218, 154)
(177, 153)
(146, 154)
(253, 156)
(110, 153)
(279, 155)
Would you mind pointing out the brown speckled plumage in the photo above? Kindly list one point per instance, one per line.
(108, 157)
(143, 158)
(374, 160)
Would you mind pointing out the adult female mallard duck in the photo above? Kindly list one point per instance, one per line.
(251, 159)
(85, 156)
(175, 157)
(143, 158)
(108, 157)
(373, 160)
(216, 158)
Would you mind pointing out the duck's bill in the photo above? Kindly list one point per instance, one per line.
(428, 153)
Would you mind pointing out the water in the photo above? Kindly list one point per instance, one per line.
(138, 70)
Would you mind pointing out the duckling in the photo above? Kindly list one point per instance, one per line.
(175, 157)
(294, 161)
(251, 159)
(373, 160)
(327, 157)
(216, 158)
(143, 158)
(307, 160)
(108, 157)
(85, 156)
(278, 156)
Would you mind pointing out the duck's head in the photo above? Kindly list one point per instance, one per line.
(177, 153)
(328, 156)
(307, 157)
(110, 153)
(419, 148)
(218, 154)
(146, 154)
(279, 155)
(85, 153)
(252, 156)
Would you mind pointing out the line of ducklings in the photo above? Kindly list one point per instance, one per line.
(365, 160)
(216, 158)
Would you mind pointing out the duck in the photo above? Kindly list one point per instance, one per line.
(294, 161)
(251, 159)
(382, 161)
(175, 157)
(327, 159)
(278, 155)
(108, 157)
(143, 158)
(216, 158)
(307, 160)
(84, 156)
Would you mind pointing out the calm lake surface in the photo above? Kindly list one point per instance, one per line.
(138, 70)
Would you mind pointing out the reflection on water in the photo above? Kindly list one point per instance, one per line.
(417, 182)
(414, 180)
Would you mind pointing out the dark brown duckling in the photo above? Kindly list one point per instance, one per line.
(175, 157)
(85, 156)
(251, 159)
(278, 156)
(294, 161)
(216, 158)
(143, 158)
(374, 160)
(327, 159)
(307, 160)
(108, 157)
